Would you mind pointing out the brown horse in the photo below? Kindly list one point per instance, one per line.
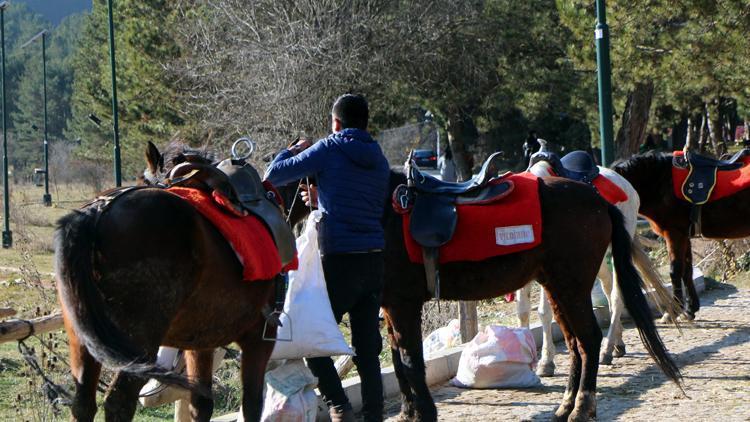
(651, 175)
(578, 225)
(147, 269)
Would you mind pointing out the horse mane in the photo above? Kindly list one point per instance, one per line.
(177, 151)
(650, 163)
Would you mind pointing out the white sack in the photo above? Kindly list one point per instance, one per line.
(498, 357)
(290, 394)
(313, 328)
(443, 338)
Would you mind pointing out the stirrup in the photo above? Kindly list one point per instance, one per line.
(273, 318)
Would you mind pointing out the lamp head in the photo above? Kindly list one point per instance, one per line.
(96, 120)
(4, 4)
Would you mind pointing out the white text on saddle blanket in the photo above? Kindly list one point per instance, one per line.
(514, 235)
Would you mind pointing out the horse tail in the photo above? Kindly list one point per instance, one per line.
(663, 298)
(631, 284)
(87, 310)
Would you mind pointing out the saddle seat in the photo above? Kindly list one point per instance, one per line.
(576, 165)
(733, 163)
(423, 182)
(240, 184)
(579, 166)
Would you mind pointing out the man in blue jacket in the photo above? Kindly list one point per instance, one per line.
(352, 175)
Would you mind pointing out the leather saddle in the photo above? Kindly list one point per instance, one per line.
(576, 165)
(701, 178)
(241, 185)
(434, 214)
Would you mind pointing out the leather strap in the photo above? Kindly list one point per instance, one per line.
(431, 257)
(696, 229)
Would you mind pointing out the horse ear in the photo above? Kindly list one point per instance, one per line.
(154, 159)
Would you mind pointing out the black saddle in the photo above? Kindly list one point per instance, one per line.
(434, 215)
(576, 165)
(425, 183)
(701, 178)
(732, 163)
(240, 183)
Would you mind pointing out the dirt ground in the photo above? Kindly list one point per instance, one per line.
(712, 353)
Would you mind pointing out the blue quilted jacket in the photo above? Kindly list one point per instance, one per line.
(352, 175)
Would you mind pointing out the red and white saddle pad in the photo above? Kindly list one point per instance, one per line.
(510, 225)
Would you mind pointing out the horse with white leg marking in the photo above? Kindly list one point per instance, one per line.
(627, 202)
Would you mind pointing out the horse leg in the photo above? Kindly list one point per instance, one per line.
(583, 337)
(122, 397)
(613, 344)
(406, 323)
(546, 366)
(85, 371)
(255, 355)
(678, 245)
(694, 303)
(199, 367)
(523, 305)
(407, 396)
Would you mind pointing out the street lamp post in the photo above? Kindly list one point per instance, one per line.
(7, 234)
(115, 116)
(46, 198)
(604, 77)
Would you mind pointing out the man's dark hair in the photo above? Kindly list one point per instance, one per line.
(352, 111)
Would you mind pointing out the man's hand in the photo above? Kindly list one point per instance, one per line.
(300, 146)
(309, 195)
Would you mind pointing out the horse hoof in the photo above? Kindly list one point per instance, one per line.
(605, 359)
(580, 417)
(666, 319)
(546, 369)
(619, 351)
(687, 316)
(403, 417)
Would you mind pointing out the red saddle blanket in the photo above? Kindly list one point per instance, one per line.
(728, 182)
(248, 236)
(510, 225)
(606, 188)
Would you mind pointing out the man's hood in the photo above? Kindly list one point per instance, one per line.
(358, 146)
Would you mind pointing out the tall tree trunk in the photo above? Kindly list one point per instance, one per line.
(703, 131)
(679, 133)
(714, 129)
(632, 132)
(690, 141)
(746, 136)
(461, 133)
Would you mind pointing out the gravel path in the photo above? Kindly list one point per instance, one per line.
(713, 354)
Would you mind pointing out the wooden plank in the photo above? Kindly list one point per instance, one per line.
(7, 312)
(467, 316)
(15, 329)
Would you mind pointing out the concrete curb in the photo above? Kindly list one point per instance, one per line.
(443, 366)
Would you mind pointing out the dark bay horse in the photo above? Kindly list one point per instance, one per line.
(578, 225)
(147, 270)
(726, 218)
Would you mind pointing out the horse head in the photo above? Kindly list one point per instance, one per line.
(159, 165)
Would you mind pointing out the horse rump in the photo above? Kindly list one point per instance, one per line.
(631, 284)
(86, 308)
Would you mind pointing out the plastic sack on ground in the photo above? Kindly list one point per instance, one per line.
(312, 328)
(289, 394)
(498, 357)
(443, 338)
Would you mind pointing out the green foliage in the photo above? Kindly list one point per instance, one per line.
(148, 109)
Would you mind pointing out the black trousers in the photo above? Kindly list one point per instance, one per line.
(355, 285)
